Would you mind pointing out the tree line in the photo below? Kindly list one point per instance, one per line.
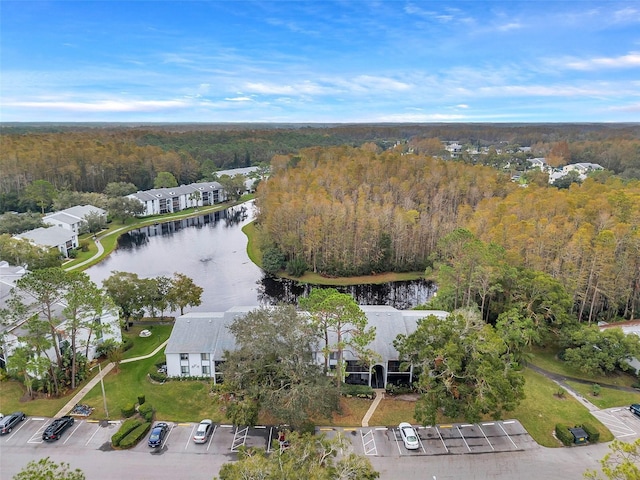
(348, 211)
(88, 158)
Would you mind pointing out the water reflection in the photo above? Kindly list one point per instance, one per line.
(211, 249)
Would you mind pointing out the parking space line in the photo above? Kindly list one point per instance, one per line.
(193, 428)
(71, 434)
(369, 445)
(38, 434)
(270, 439)
(240, 434)
(13, 432)
(94, 434)
(167, 437)
(505, 432)
(463, 439)
(485, 437)
(442, 440)
(215, 427)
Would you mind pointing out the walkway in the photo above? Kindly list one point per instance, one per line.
(94, 381)
(559, 379)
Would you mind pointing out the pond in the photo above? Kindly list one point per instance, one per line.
(211, 249)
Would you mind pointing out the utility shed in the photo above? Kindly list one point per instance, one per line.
(580, 437)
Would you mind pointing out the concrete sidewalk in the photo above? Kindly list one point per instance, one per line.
(376, 401)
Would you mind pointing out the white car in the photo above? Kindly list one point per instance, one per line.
(409, 436)
(204, 431)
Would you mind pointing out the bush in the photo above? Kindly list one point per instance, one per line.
(141, 399)
(399, 389)
(127, 427)
(135, 435)
(272, 260)
(592, 432)
(296, 267)
(158, 377)
(564, 435)
(595, 389)
(360, 391)
(127, 344)
(128, 411)
(146, 411)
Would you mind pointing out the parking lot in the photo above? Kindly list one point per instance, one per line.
(487, 437)
(95, 435)
(452, 439)
(621, 422)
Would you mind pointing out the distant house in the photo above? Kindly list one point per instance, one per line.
(52, 237)
(247, 172)
(73, 218)
(631, 327)
(198, 342)
(11, 334)
(167, 200)
(455, 149)
(582, 168)
(539, 163)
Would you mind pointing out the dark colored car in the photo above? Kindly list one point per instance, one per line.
(55, 430)
(7, 423)
(157, 434)
(635, 408)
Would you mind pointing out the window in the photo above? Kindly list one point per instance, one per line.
(206, 370)
(184, 356)
(204, 357)
(184, 370)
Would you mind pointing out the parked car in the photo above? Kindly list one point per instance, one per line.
(56, 428)
(409, 436)
(204, 431)
(8, 422)
(635, 408)
(157, 434)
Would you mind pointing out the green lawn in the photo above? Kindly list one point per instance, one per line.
(539, 411)
(146, 345)
(546, 358)
(608, 397)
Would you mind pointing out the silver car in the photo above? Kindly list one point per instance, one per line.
(409, 436)
(204, 431)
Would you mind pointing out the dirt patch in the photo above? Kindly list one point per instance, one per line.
(407, 397)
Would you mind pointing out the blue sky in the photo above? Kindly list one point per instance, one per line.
(324, 61)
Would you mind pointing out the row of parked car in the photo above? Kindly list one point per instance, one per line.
(160, 430)
(53, 431)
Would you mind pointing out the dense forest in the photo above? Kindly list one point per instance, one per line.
(87, 157)
(348, 211)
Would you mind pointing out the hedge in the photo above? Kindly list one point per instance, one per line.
(361, 391)
(127, 427)
(134, 437)
(564, 435)
(128, 411)
(146, 411)
(592, 432)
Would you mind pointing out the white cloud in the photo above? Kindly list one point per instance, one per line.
(624, 61)
(239, 99)
(104, 105)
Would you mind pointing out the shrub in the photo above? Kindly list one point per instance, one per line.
(141, 399)
(398, 389)
(127, 344)
(127, 427)
(564, 435)
(595, 389)
(158, 377)
(592, 432)
(146, 411)
(272, 260)
(296, 267)
(132, 439)
(128, 411)
(360, 391)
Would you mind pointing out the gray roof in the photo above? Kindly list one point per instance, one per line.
(156, 193)
(237, 171)
(74, 214)
(200, 332)
(48, 237)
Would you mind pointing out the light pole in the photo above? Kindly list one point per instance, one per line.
(104, 397)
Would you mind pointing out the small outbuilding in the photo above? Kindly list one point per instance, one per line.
(580, 437)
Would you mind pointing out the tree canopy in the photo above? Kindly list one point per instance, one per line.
(463, 366)
(306, 457)
(46, 469)
(272, 368)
